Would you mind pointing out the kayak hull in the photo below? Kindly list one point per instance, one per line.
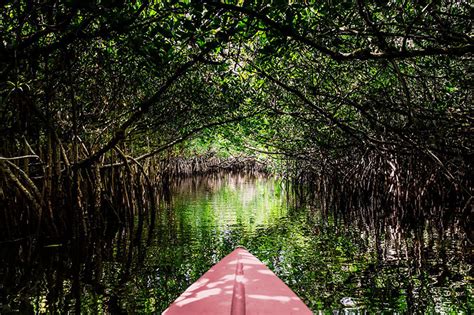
(239, 284)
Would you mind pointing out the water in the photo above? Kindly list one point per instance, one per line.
(335, 263)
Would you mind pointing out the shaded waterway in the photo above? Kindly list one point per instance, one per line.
(331, 262)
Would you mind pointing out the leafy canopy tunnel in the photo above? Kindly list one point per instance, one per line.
(340, 91)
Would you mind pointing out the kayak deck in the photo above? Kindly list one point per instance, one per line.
(239, 284)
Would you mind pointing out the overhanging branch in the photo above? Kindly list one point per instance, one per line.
(360, 54)
(181, 139)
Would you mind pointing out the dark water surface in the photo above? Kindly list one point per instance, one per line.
(335, 264)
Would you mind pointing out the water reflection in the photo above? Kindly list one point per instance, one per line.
(225, 202)
(375, 261)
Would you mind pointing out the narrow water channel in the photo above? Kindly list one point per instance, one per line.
(331, 263)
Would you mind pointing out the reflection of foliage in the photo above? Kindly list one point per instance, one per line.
(324, 262)
(322, 257)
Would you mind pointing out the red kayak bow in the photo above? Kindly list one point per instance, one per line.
(239, 284)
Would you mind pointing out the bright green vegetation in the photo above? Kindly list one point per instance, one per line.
(322, 258)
